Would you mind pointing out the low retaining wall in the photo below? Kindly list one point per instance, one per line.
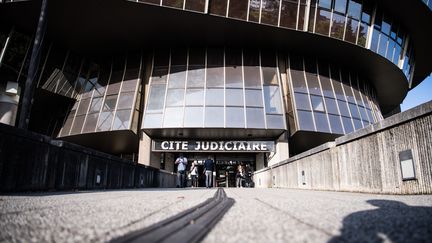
(30, 161)
(364, 161)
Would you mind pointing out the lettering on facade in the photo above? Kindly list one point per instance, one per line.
(214, 146)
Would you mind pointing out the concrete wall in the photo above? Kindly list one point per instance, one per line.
(364, 161)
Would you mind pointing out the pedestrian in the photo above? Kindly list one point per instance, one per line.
(194, 174)
(248, 175)
(208, 171)
(181, 163)
(240, 176)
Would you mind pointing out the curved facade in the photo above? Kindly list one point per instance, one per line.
(272, 78)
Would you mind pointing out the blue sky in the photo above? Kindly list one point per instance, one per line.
(419, 95)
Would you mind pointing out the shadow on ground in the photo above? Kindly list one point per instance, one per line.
(392, 221)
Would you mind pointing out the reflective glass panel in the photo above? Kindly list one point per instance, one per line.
(110, 102)
(173, 117)
(302, 101)
(254, 97)
(270, 75)
(234, 97)
(301, 18)
(297, 74)
(272, 99)
(83, 106)
(121, 120)
(233, 70)
(214, 97)
(254, 10)
(96, 104)
(340, 6)
(288, 14)
(105, 120)
(354, 9)
(357, 124)
(347, 125)
(195, 77)
(173, 3)
(218, 7)
(270, 12)
(362, 35)
(255, 117)
(175, 97)
(331, 106)
(156, 98)
(275, 122)
(77, 125)
(343, 108)
(195, 5)
(214, 117)
(235, 117)
(126, 100)
(194, 117)
(153, 120)
(325, 3)
(66, 126)
(317, 103)
(323, 22)
(311, 76)
(305, 120)
(194, 97)
(91, 122)
(215, 77)
(252, 76)
(335, 124)
(321, 122)
(338, 25)
(351, 30)
(354, 111)
(238, 9)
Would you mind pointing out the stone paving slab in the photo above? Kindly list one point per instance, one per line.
(258, 215)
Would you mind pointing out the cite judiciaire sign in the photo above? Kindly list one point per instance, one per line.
(223, 146)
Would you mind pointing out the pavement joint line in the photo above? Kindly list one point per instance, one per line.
(295, 218)
(191, 225)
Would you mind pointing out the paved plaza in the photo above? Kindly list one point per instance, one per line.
(258, 215)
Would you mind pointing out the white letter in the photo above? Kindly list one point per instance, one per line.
(164, 145)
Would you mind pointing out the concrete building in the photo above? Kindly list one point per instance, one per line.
(245, 82)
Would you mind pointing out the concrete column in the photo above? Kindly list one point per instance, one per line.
(281, 152)
(144, 149)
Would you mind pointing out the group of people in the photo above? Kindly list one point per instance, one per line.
(182, 162)
(244, 176)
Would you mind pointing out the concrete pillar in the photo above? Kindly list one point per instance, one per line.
(145, 156)
(281, 151)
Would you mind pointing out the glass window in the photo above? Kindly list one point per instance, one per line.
(195, 5)
(173, 117)
(218, 7)
(194, 117)
(321, 122)
(297, 74)
(354, 9)
(96, 104)
(194, 97)
(238, 9)
(105, 120)
(343, 108)
(177, 75)
(367, 12)
(77, 124)
(302, 101)
(214, 97)
(270, 12)
(272, 99)
(337, 83)
(363, 114)
(153, 120)
(301, 18)
(129, 85)
(196, 68)
(325, 3)
(252, 76)
(357, 124)
(311, 76)
(325, 80)
(347, 125)
(335, 124)
(289, 14)
(337, 29)
(254, 10)
(340, 6)
(305, 120)
(254, 97)
(270, 75)
(371, 118)
(126, 100)
(156, 98)
(385, 27)
(233, 70)
(382, 45)
(351, 30)
(215, 77)
(175, 97)
(234, 97)
(374, 41)
(362, 35)
(255, 117)
(214, 117)
(331, 106)
(323, 22)
(317, 103)
(90, 123)
(83, 106)
(354, 111)
(110, 102)
(113, 88)
(173, 3)
(235, 117)
(275, 122)
(121, 120)
(390, 49)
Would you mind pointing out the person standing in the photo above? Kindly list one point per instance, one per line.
(194, 174)
(181, 163)
(240, 176)
(208, 170)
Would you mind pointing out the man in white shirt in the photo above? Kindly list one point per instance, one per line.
(181, 163)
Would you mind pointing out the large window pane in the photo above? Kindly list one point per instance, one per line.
(233, 70)
(362, 35)
(175, 97)
(121, 120)
(357, 124)
(337, 29)
(254, 10)
(214, 97)
(354, 111)
(252, 76)
(196, 68)
(91, 122)
(173, 3)
(77, 124)
(235, 117)
(173, 117)
(275, 122)
(272, 99)
(288, 14)
(126, 100)
(325, 80)
(96, 104)
(234, 97)
(351, 30)
(323, 22)
(335, 124)
(347, 125)
(254, 97)
(311, 77)
(193, 117)
(215, 77)
(354, 9)
(110, 102)
(156, 98)
(194, 97)
(325, 3)
(195, 5)
(317, 103)
(340, 6)
(105, 120)
(214, 117)
(343, 108)
(331, 106)
(153, 120)
(160, 67)
(238, 9)
(177, 75)
(302, 101)
(270, 12)
(218, 7)
(83, 106)
(321, 122)
(255, 117)
(297, 74)
(305, 120)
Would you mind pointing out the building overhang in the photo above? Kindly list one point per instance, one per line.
(98, 27)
